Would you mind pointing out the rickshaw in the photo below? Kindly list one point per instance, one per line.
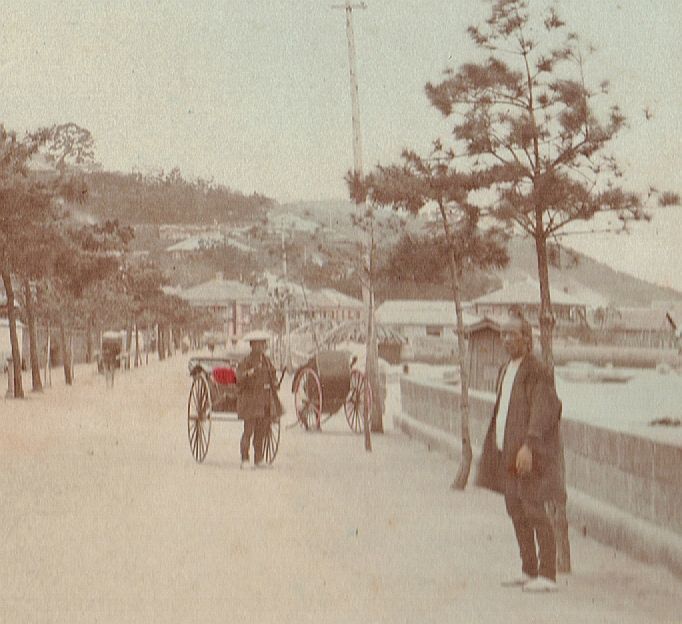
(213, 398)
(328, 380)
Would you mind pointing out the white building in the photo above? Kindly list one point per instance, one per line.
(234, 303)
(419, 318)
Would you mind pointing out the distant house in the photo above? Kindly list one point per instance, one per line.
(196, 243)
(429, 327)
(420, 318)
(307, 304)
(568, 310)
(332, 304)
(287, 222)
(233, 302)
(174, 232)
(641, 327)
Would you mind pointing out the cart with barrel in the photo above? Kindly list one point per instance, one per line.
(213, 398)
(328, 380)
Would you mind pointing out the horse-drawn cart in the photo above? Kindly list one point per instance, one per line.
(327, 381)
(213, 397)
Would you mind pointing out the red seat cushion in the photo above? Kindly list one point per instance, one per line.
(224, 376)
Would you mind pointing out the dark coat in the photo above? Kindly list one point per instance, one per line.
(256, 384)
(533, 419)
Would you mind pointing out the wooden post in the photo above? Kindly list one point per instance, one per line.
(371, 363)
(48, 363)
(10, 378)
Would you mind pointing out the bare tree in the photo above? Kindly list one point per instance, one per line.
(525, 121)
(434, 180)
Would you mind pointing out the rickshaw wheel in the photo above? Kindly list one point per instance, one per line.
(308, 398)
(271, 441)
(358, 401)
(199, 417)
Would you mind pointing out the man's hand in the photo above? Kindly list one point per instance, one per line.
(524, 461)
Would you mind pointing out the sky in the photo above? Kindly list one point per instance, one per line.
(255, 93)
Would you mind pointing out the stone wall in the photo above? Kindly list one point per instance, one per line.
(623, 489)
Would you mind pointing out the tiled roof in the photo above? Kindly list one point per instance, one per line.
(420, 312)
(527, 292)
(195, 243)
(218, 292)
(338, 299)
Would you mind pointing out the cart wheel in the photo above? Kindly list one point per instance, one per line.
(358, 401)
(271, 441)
(199, 417)
(308, 398)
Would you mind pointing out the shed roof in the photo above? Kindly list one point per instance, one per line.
(527, 292)
(220, 292)
(340, 299)
(641, 319)
(420, 312)
(208, 240)
(322, 298)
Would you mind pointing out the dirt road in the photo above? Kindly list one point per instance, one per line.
(106, 517)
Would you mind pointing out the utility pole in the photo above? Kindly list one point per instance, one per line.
(371, 363)
(352, 65)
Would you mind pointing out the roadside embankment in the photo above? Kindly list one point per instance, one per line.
(624, 489)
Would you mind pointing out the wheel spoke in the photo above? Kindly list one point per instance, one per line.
(355, 404)
(195, 443)
(307, 399)
(204, 441)
(200, 443)
(199, 417)
(193, 433)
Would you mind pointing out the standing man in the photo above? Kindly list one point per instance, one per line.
(256, 380)
(523, 443)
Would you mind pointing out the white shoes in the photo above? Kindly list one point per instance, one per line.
(519, 581)
(539, 585)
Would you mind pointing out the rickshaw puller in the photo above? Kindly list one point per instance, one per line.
(256, 379)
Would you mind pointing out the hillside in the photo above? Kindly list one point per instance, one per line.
(335, 243)
(615, 286)
(135, 199)
(574, 272)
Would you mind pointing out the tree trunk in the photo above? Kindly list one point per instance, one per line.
(159, 342)
(129, 341)
(170, 342)
(88, 339)
(464, 470)
(372, 362)
(14, 339)
(462, 477)
(369, 327)
(137, 347)
(546, 320)
(37, 385)
(372, 372)
(48, 358)
(63, 347)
